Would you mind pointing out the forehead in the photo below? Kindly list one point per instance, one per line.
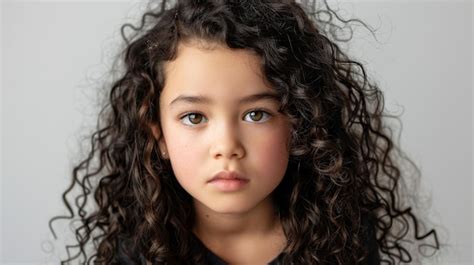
(200, 58)
(213, 71)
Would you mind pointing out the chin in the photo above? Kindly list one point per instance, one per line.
(230, 211)
(230, 207)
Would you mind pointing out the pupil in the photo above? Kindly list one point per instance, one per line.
(253, 114)
(193, 116)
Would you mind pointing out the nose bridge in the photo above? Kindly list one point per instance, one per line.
(226, 137)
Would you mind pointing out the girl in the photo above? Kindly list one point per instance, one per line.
(240, 133)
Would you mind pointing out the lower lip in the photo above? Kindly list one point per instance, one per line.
(229, 184)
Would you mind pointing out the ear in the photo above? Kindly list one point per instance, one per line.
(158, 135)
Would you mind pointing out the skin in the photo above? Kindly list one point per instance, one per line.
(239, 226)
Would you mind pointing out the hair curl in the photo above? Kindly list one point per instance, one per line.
(343, 164)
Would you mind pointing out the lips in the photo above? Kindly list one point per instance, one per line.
(228, 175)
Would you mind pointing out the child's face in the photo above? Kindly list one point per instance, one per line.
(222, 134)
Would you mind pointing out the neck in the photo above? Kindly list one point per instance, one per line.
(214, 226)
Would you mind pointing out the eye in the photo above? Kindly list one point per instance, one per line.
(193, 117)
(257, 114)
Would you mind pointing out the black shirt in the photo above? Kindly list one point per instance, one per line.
(212, 259)
(372, 259)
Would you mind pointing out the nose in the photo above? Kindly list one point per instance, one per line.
(227, 143)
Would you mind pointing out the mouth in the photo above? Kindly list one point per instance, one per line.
(228, 175)
(226, 181)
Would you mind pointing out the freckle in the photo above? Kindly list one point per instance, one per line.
(207, 215)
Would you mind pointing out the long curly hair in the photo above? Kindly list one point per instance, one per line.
(344, 165)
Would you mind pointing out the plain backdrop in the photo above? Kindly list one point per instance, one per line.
(54, 56)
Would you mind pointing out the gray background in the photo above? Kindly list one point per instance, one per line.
(54, 56)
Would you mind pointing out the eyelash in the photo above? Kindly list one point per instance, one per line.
(254, 110)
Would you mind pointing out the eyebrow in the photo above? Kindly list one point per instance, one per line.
(206, 100)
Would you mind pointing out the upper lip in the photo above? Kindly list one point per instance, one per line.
(227, 175)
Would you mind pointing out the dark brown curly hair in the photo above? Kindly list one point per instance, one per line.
(343, 167)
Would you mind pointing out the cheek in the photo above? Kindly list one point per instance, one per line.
(271, 154)
(184, 164)
(186, 155)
